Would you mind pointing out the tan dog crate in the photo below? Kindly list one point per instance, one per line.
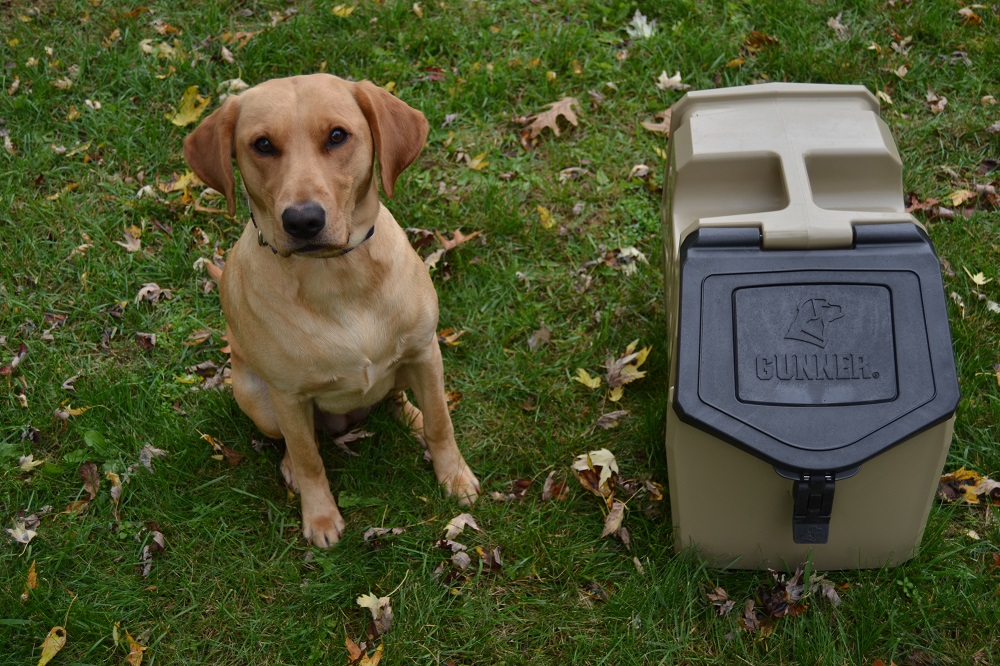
(812, 379)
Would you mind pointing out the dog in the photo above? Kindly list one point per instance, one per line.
(328, 308)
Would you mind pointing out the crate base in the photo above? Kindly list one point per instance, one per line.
(737, 512)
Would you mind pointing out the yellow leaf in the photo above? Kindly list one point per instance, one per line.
(343, 11)
(31, 582)
(191, 108)
(584, 378)
(134, 651)
(389, 87)
(978, 278)
(545, 218)
(478, 163)
(640, 357)
(616, 393)
(884, 97)
(959, 197)
(52, 644)
(418, 10)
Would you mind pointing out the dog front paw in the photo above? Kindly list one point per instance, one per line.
(323, 529)
(463, 485)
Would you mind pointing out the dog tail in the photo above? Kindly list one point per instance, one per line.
(214, 272)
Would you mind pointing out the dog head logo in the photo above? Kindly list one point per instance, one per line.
(811, 321)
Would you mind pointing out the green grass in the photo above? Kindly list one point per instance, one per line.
(237, 584)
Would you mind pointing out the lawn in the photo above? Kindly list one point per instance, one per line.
(150, 521)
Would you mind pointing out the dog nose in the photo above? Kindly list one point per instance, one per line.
(304, 220)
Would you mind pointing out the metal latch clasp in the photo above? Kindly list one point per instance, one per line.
(813, 497)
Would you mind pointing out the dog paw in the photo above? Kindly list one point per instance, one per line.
(324, 529)
(286, 473)
(463, 485)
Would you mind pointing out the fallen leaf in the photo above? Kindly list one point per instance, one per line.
(597, 471)
(978, 278)
(665, 82)
(518, 491)
(610, 420)
(343, 11)
(721, 601)
(458, 524)
(153, 293)
(148, 453)
(54, 642)
(662, 127)
(458, 238)
(841, 30)
(959, 197)
(191, 107)
(28, 463)
(539, 338)
(343, 440)
(116, 490)
(229, 455)
(613, 521)
(550, 119)
(381, 610)
(584, 378)
(21, 533)
(478, 163)
(145, 341)
(545, 217)
(135, 651)
(639, 27)
(156, 545)
(30, 583)
(450, 337)
(91, 480)
(598, 591)
(552, 489)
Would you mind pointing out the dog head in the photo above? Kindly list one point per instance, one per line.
(306, 149)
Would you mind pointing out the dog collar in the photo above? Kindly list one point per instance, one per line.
(263, 243)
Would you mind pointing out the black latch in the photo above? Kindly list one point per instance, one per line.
(813, 495)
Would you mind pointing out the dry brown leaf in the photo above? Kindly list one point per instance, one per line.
(662, 127)
(550, 119)
(30, 583)
(458, 238)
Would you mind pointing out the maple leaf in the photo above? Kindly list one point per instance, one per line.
(625, 369)
(640, 27)
(131, 242)
(381, 610)
(721, 601)
(28, 463)
(979, 278)
(153, 293)
(665, 82)
(148, 453)
(550, 119)
(597, 471)
(458, 524)
(584, 378)
(156, 545)
(450, 337)
(539, 338)
(191, 107)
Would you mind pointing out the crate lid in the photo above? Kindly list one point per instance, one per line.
(814, 360)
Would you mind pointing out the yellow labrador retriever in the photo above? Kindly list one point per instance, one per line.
(328, 308)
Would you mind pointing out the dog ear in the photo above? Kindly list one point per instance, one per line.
(209, 150)
(399, 130)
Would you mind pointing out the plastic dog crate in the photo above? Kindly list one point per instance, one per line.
(812, 379)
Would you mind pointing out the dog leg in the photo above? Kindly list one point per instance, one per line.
(322, 524)
(426, 378)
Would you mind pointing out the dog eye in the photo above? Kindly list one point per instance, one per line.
(338, 136)
(263, 145)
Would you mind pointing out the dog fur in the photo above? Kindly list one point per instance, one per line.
(328, 308)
